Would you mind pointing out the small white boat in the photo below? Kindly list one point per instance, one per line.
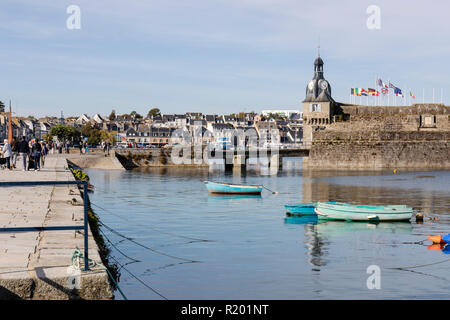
(349, 212)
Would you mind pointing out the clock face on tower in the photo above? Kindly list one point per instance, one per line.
(323, 85)
(311, 85)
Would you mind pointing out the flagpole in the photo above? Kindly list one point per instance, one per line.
(388, 91)
(442, 92)
(423, 95)
(433, 95)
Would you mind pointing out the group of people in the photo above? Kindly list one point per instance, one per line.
(32, 152)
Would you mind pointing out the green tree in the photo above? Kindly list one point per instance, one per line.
(112, 115)
(92, 133)
(153, 112)
(135, 115)
(63, 133)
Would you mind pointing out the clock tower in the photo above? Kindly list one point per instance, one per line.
(318, 106)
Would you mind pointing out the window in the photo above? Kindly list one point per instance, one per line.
(315, 107)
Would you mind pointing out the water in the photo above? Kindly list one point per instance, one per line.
(256, 252)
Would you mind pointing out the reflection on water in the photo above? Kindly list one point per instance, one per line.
(256, 252)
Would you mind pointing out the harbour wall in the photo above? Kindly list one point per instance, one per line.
(38, 264)
(367, 137)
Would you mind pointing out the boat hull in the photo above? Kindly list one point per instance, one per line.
(362, 213)
(301, 208)
(222, 188)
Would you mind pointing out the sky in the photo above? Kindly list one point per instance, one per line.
(213, 56)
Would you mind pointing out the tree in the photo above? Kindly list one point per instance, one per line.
(2, 106)
(135, 115)
(63, 132)
(112, 115)
(92, 133)
(153, 113)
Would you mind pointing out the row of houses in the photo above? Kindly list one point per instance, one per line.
(29, 128)
(168, 129)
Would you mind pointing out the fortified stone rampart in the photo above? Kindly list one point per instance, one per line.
(369, 137)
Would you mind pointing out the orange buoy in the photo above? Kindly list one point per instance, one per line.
(436, 239)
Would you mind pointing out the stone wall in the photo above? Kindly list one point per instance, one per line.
(367, 137)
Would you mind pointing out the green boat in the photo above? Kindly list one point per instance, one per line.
(350, 212)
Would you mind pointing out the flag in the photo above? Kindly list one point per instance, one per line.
(391, 85)
(363, 92)
(410, 93)
(356, 91)
(373, 92)
(384, 91)
(380, 83)
(398, 92)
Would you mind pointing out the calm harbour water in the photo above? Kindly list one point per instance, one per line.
(255, 251)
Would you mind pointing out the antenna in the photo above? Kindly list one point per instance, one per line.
(318, 47)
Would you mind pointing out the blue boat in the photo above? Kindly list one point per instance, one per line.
(227, 188)
(302, 208)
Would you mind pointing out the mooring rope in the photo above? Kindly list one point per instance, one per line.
(151, 228)
(145, 246)
(420, 266)
(118, 250)
(273, 192)
(141, 281)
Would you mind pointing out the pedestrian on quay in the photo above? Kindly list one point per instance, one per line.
(43, 153)
(24, 151)
(36, 150)
(67, 147)
(7, 152)
(60, 147)
(80, 146)
(14, 146)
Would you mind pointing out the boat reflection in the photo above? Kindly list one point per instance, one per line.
(306, 219)
(223, 198)
(319, 232)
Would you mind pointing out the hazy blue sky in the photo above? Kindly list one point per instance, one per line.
(212, 56)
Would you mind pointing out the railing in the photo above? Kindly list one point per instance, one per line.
(55, 228)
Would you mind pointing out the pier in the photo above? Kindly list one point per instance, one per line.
(37, 263)
(234, 160)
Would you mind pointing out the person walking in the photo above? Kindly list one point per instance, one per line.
(36, 150)
(14, 146)
(7, 152)
(44, 153)
(80, 146)
(23, 150)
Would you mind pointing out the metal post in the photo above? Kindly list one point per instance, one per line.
(86, 223)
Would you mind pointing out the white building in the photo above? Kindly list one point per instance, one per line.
(283, 113)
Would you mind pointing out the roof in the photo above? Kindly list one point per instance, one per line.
(318, 61)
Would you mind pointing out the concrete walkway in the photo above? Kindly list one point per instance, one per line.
(35, 265)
